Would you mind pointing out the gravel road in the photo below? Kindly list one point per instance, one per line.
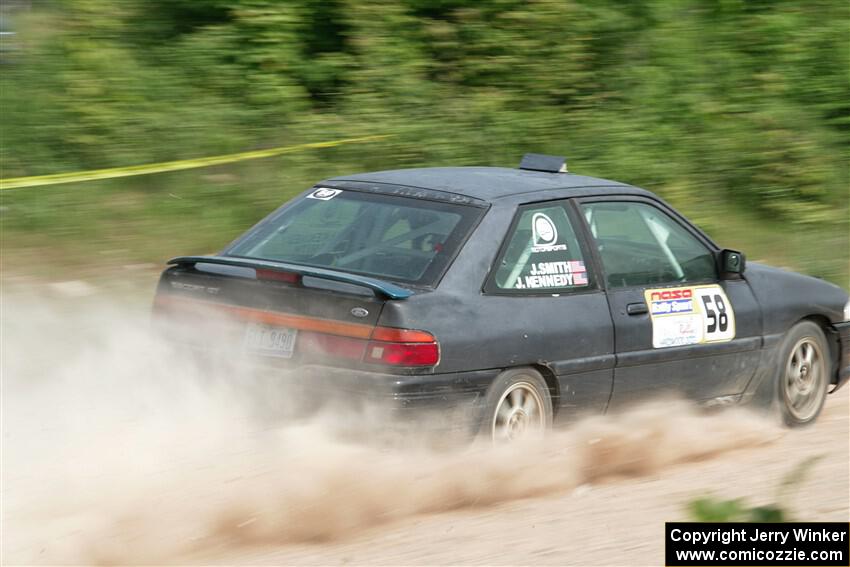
(615, 523)
(118, 450)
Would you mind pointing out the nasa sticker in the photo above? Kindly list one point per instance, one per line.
(544, 234)
(690, 315)
(324, 194)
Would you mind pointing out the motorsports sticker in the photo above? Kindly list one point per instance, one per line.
(545, 234)
(690, 315)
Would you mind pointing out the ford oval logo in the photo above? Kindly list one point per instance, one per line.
(359, 312)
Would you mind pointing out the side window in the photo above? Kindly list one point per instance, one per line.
(641, 245)
(541, 254)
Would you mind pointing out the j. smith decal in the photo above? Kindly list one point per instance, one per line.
(554, 274)
(690, 315)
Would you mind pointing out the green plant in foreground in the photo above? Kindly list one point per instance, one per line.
(712, 509)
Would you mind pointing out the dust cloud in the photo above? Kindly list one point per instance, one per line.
(118, 448)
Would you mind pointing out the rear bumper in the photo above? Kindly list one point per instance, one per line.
(430, 392)
(428, 403)
(843, 373)
(402, 393)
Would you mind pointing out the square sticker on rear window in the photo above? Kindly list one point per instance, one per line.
(324, 194)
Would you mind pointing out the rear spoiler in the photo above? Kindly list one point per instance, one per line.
(382, 288)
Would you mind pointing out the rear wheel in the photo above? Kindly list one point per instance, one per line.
(518, 407)
(803, 374)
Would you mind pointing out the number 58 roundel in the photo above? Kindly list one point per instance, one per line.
(690, 315)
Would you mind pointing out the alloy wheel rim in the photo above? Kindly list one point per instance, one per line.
(519, 414)
(804, 379)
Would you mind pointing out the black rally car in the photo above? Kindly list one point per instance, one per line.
(517, 295)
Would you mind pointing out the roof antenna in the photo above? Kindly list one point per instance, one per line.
(541, 162)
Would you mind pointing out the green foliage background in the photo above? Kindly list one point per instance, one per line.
(736, 111)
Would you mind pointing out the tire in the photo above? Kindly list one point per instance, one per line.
(518, 405)
(802, 376)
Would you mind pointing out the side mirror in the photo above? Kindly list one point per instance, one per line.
(732, 264)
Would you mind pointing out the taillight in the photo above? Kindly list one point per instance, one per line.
(393, 335)
(402, 347)
(331, 345)
(403, 354)
(394, 347)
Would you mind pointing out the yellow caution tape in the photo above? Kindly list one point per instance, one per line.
(112, 172)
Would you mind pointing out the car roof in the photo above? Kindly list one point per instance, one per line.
(487, 183)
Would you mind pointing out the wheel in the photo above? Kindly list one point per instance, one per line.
(803, 374)
(518, 406)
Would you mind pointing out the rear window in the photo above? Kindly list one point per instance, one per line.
(386, 236)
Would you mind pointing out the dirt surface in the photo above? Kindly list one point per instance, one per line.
(615, 523)
(117, 449)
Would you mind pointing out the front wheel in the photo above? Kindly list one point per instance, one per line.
(518, 406)
(803, 374)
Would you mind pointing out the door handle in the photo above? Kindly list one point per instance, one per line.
(636, 308)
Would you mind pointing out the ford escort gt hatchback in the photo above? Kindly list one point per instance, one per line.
(513, 298)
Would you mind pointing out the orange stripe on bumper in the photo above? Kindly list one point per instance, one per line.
(300, 322)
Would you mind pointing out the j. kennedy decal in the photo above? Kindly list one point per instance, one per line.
(554, 274)
(690, 315)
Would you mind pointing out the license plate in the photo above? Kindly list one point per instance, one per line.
(269, 341)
